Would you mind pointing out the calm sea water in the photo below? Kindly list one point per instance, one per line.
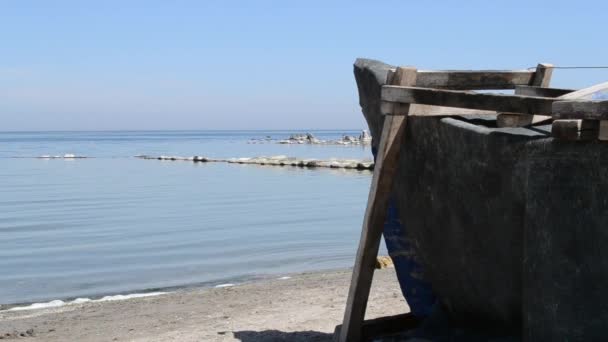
(116, 224)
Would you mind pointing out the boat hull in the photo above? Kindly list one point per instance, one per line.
(506, 223)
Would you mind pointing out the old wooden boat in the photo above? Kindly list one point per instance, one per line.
(500, 201)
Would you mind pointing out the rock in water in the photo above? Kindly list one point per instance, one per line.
(365, 137)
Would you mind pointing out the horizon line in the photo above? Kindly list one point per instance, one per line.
(184, 130)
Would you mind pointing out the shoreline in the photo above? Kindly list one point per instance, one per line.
(305, 306)
(145, 292)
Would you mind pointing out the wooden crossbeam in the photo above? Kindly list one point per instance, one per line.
(603, 131)
(375, 214)
(474, 80)
(585, 93)
(384, 326)
(461, 99)
(425, 110)
(540, 91)
(584, 112)
(520, 120)
(575, 130)
(581, 109)
(540, 80)
(578, 106)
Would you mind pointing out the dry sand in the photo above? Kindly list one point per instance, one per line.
(305, 307)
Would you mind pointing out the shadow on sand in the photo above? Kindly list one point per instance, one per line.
(280, 336)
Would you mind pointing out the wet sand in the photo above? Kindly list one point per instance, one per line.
(305, 307)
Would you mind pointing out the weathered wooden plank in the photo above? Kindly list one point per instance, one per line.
(581, 109)
(575, 129)
(473, 80)
(403, 76)
(585, 93)
(519, 120)
(460, 99)
(374, 329)
(386, 163)
(603, 131)
(426, 110)
(565, 129)
(541, 78)
(542, 92)
(397, 77)
(572, 106)
(375, 214)
(386, 108)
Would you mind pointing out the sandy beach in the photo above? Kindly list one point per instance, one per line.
(304, 307)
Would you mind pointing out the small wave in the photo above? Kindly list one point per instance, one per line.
(224, 285)
(58, 303)
(65, 156)
(51, 304)
(123, 297)
(284, 278)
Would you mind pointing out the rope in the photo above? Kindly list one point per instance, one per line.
(573, 67)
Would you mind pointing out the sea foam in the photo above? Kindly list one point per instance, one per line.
(65, 156)
(58, 303)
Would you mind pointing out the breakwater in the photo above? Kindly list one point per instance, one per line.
(352, 164)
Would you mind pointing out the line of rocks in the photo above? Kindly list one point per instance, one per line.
(352, 164)
(298, 139)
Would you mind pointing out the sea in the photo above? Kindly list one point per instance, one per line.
(112, 224)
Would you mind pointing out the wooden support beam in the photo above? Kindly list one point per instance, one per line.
(565, 108)
(519, 120)
(474, 80)
(585, 93)
(581, 109)
(384, 326)
(573, 130)
(542, 92)
(483, 101)
(425, 110)
(541, 78)
(565, 129)
(375, 214)
(603, 130)
(461, 99)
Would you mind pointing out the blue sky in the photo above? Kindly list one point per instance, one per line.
(101, 65)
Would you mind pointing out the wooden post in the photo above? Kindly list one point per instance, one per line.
(575, 129)
(541, 78)
(375, 214)
(603, 130)
(543, 74)
(590, 119)
(585, 129)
